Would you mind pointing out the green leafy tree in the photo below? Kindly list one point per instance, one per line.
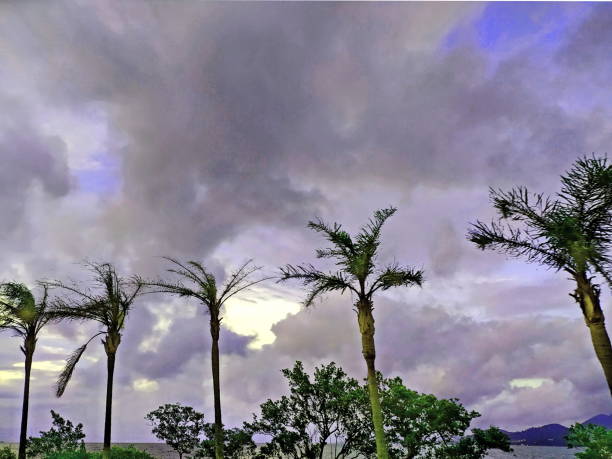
(202, 285)
(63, 437)
(179, 426)
(21, 314)
(325, 410)
(238, 443)
(596, 439)
(358, 274)
(572, 233)
(7, 453)
(109, 304)
(423, 426)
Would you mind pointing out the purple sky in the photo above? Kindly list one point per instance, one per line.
(131, 130)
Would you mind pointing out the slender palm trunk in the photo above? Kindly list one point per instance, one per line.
(215, 325)
(110, 366)
(29, 354)
(366, 327)
(587, 296)
(111, 344)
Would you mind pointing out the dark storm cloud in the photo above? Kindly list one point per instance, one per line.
(29, 159)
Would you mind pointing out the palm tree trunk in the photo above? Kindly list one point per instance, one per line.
(603, 349)
(366, 327)
(587, 296)
(110, 366)
(215, 325)
(29, 353)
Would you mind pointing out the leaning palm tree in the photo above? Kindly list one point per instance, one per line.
(21, 314)
(202, 285)
(359, 275)
(109, 304)
(572, 233)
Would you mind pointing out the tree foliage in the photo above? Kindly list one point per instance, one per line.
(238, 443)
(356, 257)
(596, 439)
(63, 436)
(326, 409)
(333, 409)
(179, 426)
(108, 303)
(572, 232)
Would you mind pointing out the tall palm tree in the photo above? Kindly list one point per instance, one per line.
(572, 233)
(202, 285)
(359, 275)
(109, 304)
(21, 314)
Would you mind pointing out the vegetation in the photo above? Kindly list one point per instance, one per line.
(7, 453)
(63, 437)
(114, 453)
(334, 409)
(572, 233)
(21, 314)
(356, 259)
(202, 285)
(596, 439)
(328, 409)
(109, 305)
(238, 444)
(421, 425)
(179, 426)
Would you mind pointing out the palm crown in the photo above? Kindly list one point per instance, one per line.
(108, 305)
(20, 313)
(357, 259)
(571, 233)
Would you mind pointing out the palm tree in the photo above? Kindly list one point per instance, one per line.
(359, 275)
(108, 304)
(21, 314)
(202, 285)
(572, 233)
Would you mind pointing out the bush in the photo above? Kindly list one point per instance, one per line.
(63, 437)
(116, 453)
(596, 439)
(7, 453)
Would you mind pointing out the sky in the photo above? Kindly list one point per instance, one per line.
(216, 131)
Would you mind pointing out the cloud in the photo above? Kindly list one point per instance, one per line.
(216, 131)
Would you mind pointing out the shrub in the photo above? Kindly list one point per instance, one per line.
(596, 439)
(116, 453)
(63, 437)
(7, 453)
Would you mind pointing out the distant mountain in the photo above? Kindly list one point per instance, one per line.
(552, 434)
(604, 420)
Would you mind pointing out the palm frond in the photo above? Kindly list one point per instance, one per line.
(396, 276)
(238, 281)
(337, 236)
(318, 281)
(71, 362)
(518, 243)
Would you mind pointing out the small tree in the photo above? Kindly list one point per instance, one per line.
(328, 409)
(421, 425)
(596, 439)
(238, 443)
(179, 426)
(62, 437)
